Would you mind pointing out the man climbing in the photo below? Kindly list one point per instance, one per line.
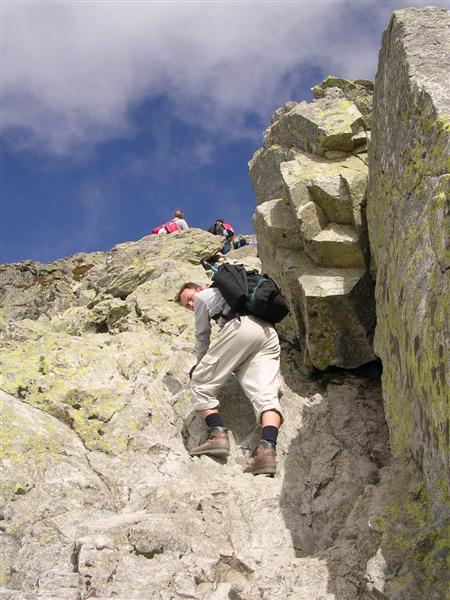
(248, 347)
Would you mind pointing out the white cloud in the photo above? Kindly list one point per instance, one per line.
(72, 70)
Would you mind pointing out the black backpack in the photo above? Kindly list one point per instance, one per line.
(249, 293)
(217, 229)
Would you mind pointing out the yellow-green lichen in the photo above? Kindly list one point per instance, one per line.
(412, 301)
(412, 538)
(24, 450)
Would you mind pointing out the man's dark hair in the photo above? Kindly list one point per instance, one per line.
(189, 285)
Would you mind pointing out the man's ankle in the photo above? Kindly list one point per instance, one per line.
(214, 420)
(270, 434)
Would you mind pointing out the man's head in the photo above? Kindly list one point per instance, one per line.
(186, 294)
(178, 214)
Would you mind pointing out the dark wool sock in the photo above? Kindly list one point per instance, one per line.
(270, 434)
(214, 420)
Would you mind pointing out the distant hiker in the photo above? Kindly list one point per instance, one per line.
(221, 228)
(175, 224)
(224, 229)
(248, 347)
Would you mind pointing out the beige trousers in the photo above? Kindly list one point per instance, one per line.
(250, 349)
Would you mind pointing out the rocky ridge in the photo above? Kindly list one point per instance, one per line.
(100, 496)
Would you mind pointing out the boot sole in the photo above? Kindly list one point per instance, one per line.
(266, 471)
(216, 452)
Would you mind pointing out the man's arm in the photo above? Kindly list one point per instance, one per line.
(202, 328)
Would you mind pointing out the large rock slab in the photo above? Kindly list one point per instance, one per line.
(30, 289)
(264, 170)
(328, 124)
(336, 246)
(337, 311)
(409, 227)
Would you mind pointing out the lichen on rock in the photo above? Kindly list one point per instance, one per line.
(316, 211)
(408, 218)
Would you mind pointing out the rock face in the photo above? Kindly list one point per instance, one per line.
(409, 166)
(310, 181)
(100, 496)
(409, 227)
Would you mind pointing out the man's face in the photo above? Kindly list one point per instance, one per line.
(187, 298)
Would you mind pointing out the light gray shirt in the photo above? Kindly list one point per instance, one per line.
(207, 304)
(181, 223)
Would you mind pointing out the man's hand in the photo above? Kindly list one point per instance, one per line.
(199, 358)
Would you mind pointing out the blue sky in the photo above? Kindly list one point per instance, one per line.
(115, 113)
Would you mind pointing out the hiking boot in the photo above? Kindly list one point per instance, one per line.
(263, 460)
(217, 443)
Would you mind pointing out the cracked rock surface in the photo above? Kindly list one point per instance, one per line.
(101, 498)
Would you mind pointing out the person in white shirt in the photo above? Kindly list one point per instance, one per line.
(248, 347)
(178, 219)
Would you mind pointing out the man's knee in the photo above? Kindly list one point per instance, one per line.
(202, 397)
